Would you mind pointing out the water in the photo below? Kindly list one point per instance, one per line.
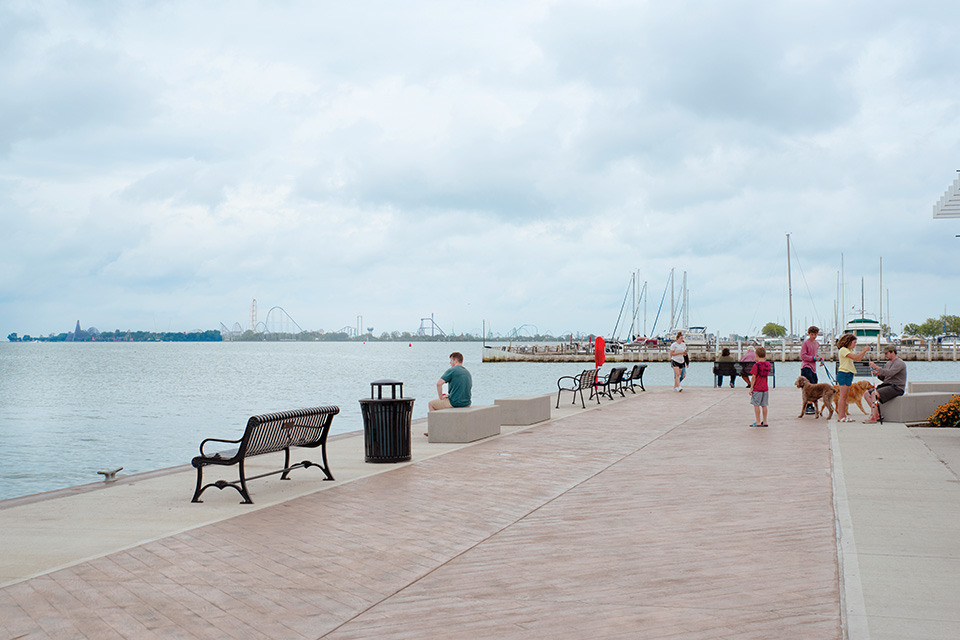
(68, 410)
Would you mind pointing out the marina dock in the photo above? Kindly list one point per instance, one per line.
(662, 515)
(777, 350)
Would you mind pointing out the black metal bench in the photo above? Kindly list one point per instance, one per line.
(740, 369)
(862, 367)
(635, 375)
(269, 433)
(587, 379)
(610, 383)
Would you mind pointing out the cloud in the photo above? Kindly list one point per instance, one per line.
(513, 162)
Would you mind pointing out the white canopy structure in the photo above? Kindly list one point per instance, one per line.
(949, 204)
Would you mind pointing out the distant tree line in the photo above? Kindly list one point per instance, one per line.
(934, 327)
(92, 335)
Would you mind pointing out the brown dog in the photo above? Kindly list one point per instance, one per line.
(855, 395)
(812, 393)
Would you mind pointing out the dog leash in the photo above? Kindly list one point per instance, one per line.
(827, 369)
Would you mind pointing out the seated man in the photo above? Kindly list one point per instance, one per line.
(459, 384)
(894, 376)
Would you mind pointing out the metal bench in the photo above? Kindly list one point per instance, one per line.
(741, 369)
(635, 375)
(610, 383)
(586, 380)
(269, 433)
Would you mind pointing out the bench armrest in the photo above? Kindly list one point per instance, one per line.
(237, 442)
(572, 379)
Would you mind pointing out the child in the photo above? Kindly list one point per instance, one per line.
(759, 391)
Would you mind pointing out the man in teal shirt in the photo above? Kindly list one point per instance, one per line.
(459, 383)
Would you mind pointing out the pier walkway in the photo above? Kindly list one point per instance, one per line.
(659, 516)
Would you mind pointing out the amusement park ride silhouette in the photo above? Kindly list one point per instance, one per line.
(278, 321)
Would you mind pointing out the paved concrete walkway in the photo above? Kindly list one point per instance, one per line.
(659, 516)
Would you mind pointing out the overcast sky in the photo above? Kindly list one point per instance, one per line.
(162, 164)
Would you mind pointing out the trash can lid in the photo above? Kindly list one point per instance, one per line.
(386, 382)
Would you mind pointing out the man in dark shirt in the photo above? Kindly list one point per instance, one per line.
(459, 385)
(894, 377)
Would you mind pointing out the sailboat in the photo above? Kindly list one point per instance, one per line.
(693, 336)
(863, 327)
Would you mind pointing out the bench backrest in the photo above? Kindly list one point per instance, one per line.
(616, 375)
(637, 370)
(272, 432)
(862, 367)
(735, 367)
(587, 379)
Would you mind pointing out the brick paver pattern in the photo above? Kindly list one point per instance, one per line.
(661, 516)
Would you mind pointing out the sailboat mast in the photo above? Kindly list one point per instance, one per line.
(685, 299)
(645, 310)
(881, 292)
(843, 297)
(673, 309)
(789, 287)
(836, 303)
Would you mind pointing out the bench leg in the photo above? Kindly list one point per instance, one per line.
(198, 491)
(326, 467)
(286, 464)
(222, 484)
(243, 486)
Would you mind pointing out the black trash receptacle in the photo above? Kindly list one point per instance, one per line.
(386, 423)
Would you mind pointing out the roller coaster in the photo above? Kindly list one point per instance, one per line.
(277, 322)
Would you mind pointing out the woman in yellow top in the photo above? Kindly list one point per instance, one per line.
(847, 343)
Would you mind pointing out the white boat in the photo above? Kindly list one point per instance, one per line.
(692, 336)
(863, 327)
(696, 336)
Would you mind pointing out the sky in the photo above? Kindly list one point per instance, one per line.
(508, 164)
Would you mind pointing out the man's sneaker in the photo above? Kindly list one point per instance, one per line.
(810, 410)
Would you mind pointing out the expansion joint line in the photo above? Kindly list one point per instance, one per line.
(523, 517)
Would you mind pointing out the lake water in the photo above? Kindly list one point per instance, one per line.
(68, 410)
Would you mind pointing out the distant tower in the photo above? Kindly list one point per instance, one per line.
(253, 315)
(75, 335)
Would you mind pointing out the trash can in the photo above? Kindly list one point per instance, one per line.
(386, 423)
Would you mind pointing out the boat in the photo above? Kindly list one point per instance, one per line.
(863, 327)
(695, 336)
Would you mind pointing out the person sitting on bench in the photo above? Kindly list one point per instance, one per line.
(726, 357)
(459, 384)
(894, 376)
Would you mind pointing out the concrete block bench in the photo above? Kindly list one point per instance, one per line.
(913, 407)
(464, 424)
(524, 410)
(945, 387)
